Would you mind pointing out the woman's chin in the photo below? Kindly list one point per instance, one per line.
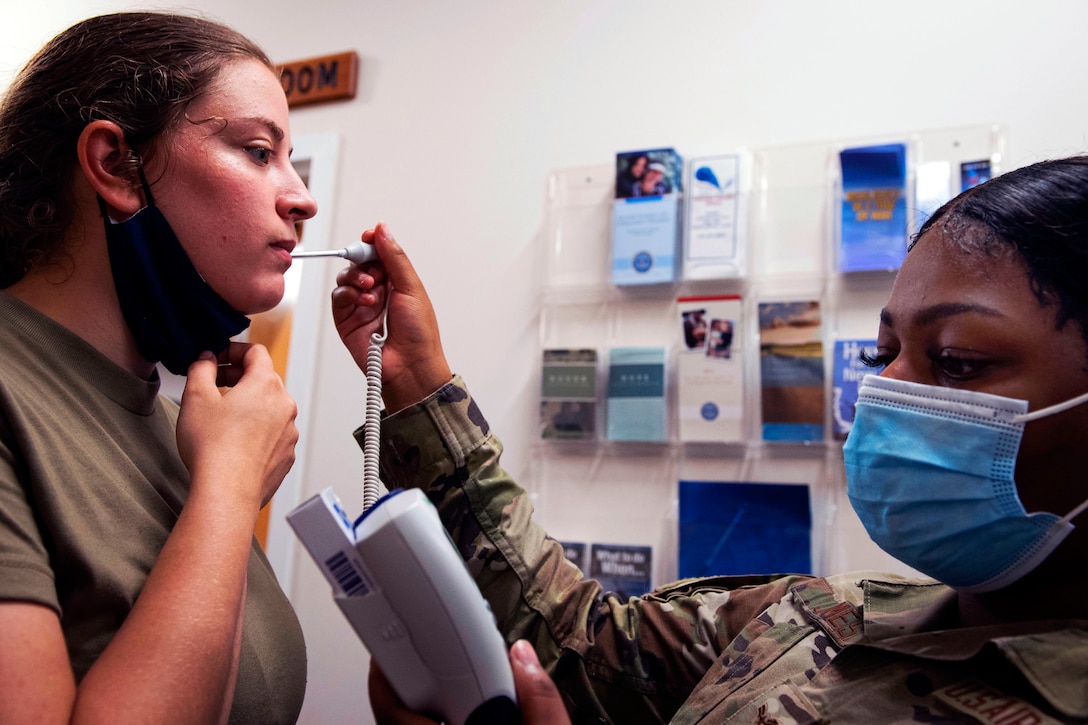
(261, 299)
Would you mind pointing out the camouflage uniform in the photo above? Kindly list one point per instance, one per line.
(766, 650)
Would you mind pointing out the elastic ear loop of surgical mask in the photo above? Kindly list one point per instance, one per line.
(372, 424)
(1042, 413)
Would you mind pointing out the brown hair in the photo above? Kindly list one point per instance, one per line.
(140, 70)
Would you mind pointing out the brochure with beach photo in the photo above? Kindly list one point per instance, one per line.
(791, 371)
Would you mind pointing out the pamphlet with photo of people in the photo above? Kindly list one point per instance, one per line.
(646, 217)
(710, 370)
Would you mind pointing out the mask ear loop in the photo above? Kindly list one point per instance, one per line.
(1068, 518)
(147, 187)
(1051, 410)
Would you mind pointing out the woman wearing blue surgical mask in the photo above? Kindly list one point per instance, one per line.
(967, 460)
(147, 205)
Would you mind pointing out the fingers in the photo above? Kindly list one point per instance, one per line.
(538, 697)
(356, 281)
(386, 705)
(356, 287)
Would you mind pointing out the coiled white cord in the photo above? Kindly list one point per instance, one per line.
(372, 486)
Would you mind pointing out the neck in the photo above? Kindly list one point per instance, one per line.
(76, 290)
(1054, 590)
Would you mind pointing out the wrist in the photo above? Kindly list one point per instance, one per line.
(229, 490)
(402, 393)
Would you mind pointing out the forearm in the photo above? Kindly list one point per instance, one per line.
(593, 644)
(487, 514)
(174, 658)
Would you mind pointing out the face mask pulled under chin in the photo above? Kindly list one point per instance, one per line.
(172, 312)
(929, 472)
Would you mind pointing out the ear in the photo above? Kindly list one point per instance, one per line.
(102, 152)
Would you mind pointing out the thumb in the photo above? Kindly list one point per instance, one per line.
(201, 374)
(538, 697)
(397, 265)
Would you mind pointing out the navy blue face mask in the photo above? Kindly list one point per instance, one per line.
(173, 313)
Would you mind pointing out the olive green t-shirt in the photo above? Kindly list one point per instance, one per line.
(91, 485)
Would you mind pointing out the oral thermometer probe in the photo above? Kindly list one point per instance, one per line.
(356, 252)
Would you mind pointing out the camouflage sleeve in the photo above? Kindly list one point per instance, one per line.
(621, 661)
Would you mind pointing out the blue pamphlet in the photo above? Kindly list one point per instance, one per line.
(624, 570)
(744, 528)
(575, 552)
(874, 207)
(973, 173)
(636, 394)
(847, 372)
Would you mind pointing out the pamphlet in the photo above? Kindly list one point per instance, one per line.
(710, 370)
(714, 232)
(636, 394)
(932, 188)
(568, 394)
(625, 570)
(847, 372)
(646, 217)
(973, 173)
(791, 368)
(874, 207)
(732, 528)
(575, 551)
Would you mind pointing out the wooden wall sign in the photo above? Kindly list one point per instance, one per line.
(317, 80)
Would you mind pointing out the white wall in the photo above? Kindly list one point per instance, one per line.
(465, 107)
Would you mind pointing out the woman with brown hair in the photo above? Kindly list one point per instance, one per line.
(147, 204)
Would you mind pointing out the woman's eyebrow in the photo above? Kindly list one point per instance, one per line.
(273, 128)
(931, 314)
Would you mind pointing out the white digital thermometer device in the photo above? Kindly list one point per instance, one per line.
(405, 590)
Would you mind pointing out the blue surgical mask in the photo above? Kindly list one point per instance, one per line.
(172, 312)
(929, 471)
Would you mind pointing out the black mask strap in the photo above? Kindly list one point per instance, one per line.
(150, 200)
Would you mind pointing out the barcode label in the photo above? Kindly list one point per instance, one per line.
(347, 576)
